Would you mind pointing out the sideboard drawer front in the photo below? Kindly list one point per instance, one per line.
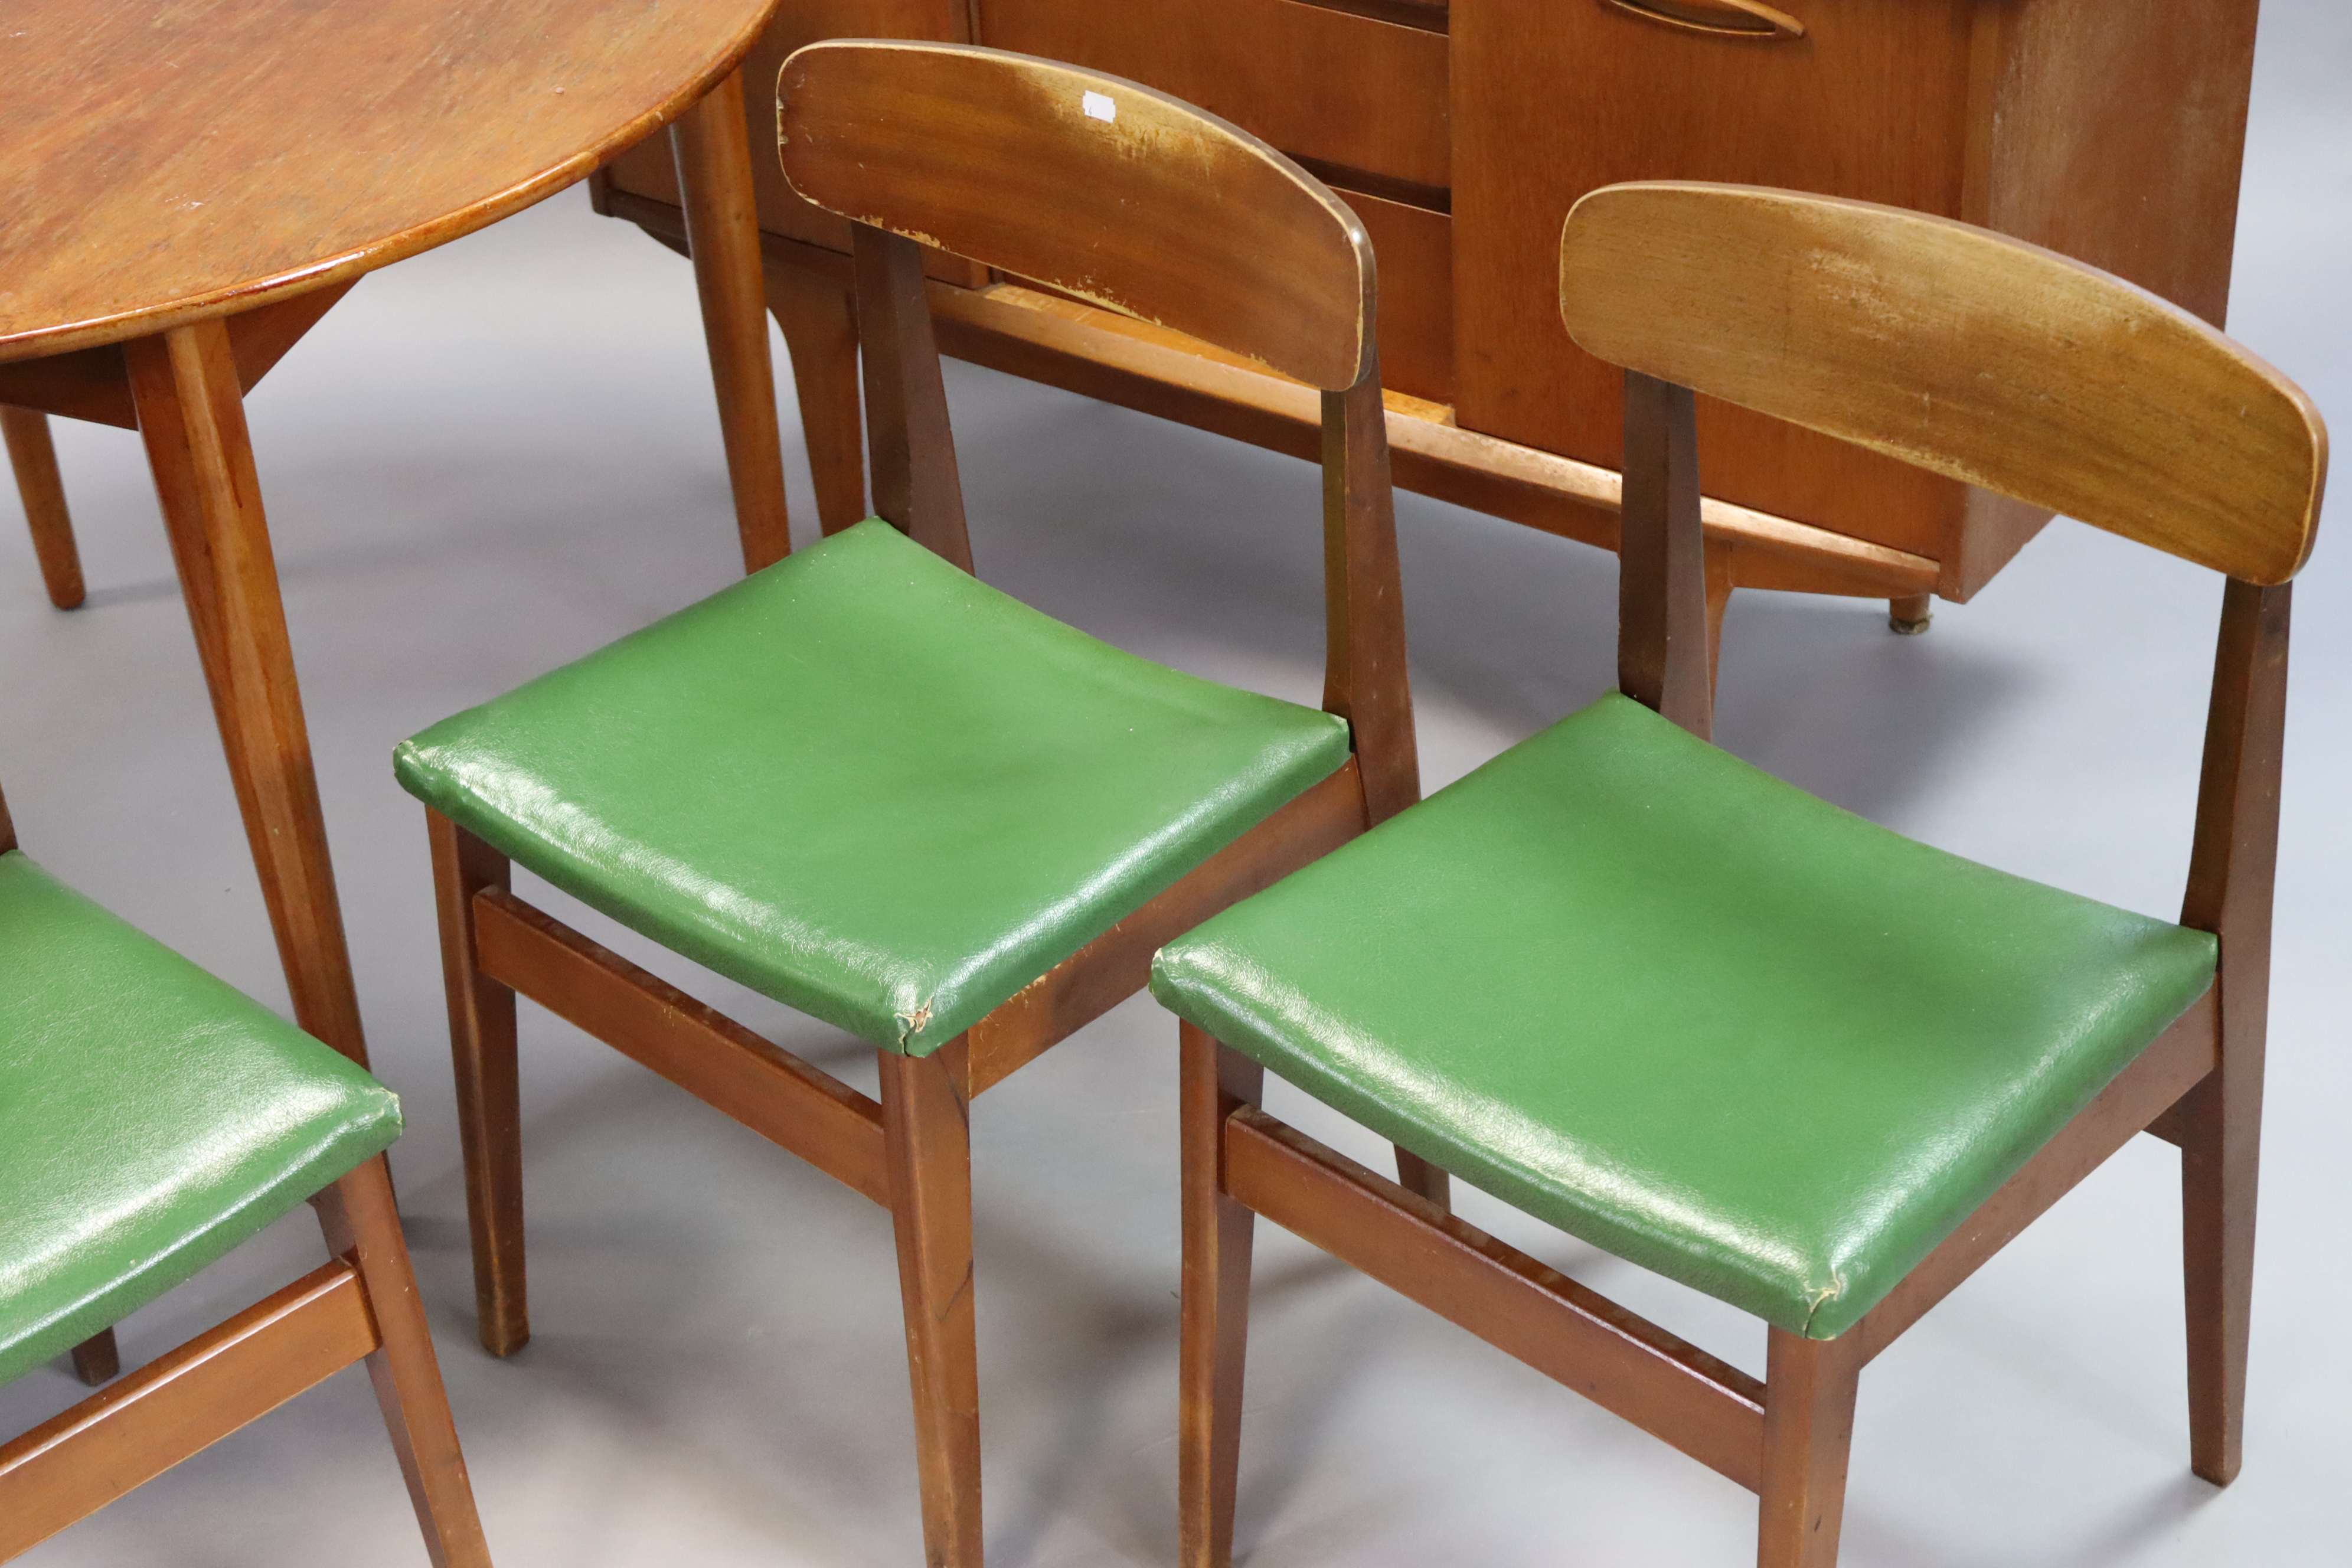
(1316, 83)
(1557, 96)
(1414, 250)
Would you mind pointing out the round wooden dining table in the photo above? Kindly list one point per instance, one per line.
(188, 185)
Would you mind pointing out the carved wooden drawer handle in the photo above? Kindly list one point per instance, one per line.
(1724, 18)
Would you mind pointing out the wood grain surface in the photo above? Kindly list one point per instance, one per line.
(164, 162)
(1080, 348)
(2110, 133)
(1960, 350)
(1059, 174)
(1314, 81)
(1552, 100)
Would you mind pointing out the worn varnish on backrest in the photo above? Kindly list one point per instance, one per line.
(1960, 350)
(1091, 184)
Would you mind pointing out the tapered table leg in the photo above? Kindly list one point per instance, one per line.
(34, 460)
(185, 385)
(723, 235)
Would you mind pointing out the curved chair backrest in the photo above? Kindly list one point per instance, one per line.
(1126, 197)
(1977, 356)
(1090, 183)
(1990, 360)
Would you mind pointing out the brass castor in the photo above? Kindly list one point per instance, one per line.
(1910, 616)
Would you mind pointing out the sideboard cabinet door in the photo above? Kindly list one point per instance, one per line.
(2110, 129)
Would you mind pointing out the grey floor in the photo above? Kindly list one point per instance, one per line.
(503, 454)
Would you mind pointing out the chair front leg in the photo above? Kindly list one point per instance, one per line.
(361, 1224)
(1216, 1081)
(490, 1103)
(927, 1138)
(1808, 1391)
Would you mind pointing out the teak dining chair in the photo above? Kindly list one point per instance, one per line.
(864, 784)
(1698, 1017)
(152, 1119)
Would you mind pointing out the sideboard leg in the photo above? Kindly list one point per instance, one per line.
(1717, 555)
(1910, 615)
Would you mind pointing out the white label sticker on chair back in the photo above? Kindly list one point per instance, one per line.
(1098, 106)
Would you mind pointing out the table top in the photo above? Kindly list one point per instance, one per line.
(171, 160)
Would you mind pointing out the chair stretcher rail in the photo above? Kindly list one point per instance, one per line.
(766, 1088)
(1707, 1408)
(181, 1403)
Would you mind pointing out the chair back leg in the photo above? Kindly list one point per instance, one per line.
(97, 1360)
(819, 320)
(1809, 1389)
(360, 1224)
(1217, 1236)
(1418, 1177)
(927, 1138)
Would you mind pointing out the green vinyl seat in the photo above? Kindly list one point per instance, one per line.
(1718, 1027)
(869, 785)
(151, 1118)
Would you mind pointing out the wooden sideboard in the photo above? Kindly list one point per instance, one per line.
(2109, 130)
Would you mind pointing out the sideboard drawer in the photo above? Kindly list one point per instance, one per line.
(1414, 250)
(1318, 83)
(1557, 96)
